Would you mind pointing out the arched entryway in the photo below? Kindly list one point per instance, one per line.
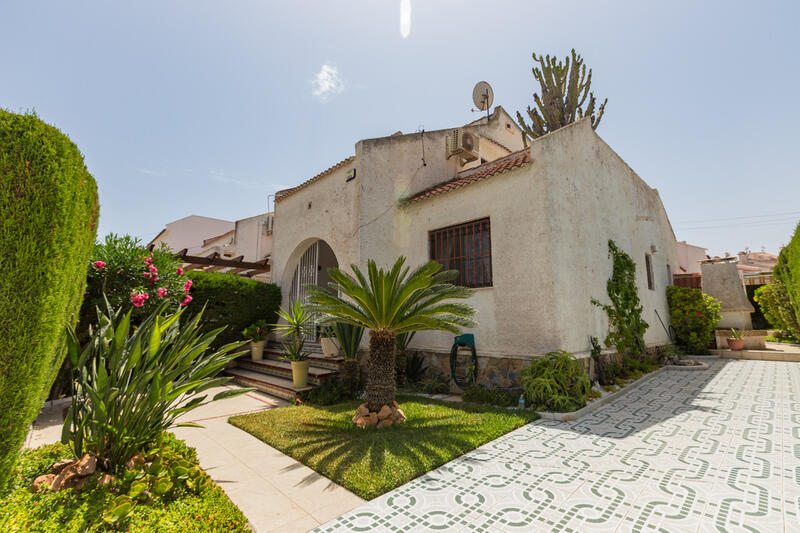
(311, 269)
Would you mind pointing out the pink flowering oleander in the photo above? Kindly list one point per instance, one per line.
(162, 292)
(153, 268)
(187, 286)
(148, 260)
(186, 300)
(138, 298)
(180, 271)
(99, 265)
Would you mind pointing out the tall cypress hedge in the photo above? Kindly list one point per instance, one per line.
(234, 302)
(48, 219)
(788, 270)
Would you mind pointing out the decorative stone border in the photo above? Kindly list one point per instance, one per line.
(596, 404)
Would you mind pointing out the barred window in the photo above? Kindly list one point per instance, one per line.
(466, 248)
(648, 264)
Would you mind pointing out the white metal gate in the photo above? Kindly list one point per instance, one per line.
(306, 274)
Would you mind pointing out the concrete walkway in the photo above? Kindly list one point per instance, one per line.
(275, 492)
(713, 450)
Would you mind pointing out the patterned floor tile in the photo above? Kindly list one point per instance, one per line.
(715, 450)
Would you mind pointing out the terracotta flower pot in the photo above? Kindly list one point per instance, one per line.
(329, 346)
(735, 344)
(300, 373)
(257, 350)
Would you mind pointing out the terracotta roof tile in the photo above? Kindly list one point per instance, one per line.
(486, 170)
(280, 195)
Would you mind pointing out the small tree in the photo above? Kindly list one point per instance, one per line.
(773, 299)
(693, 316)
(389, 303)
(49, 205)
(565, 89)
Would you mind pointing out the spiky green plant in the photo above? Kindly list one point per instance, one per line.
(389, 303)
(349, 337)
(565, 89)
(556, 382)
(402, 342)
(130, 386)
(297, 323)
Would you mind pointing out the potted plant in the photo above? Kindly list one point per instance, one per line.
(349, 337)
(735, 340)
(328, 341)
(257, 333)
(296, 324)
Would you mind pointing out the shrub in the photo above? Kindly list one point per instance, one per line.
(233, 302)
(49, 204)
(788, 270)
(757, 316)
(206, 508)
(416, 368)
(626, 326)
(694, 317)
(131, 386)
(131, 278)
(773, 299)
(556, 382)
(349, 337)
(330, 392)
(479, 394)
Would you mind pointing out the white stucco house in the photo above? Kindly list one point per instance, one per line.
(248, 240)
(527, 226)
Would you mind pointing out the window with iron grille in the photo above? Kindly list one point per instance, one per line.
(648, 264)
(466, 248)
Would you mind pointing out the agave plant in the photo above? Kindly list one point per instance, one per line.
(130, 386)
(349, 337)
(389, 303)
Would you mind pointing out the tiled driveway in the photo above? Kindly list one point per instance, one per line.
(713, 450)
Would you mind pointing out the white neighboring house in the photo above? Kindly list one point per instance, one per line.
(248, 240)
(527, 226)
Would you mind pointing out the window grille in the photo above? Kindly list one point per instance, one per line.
(466, 248)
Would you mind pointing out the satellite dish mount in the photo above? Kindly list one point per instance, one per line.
(483, 96)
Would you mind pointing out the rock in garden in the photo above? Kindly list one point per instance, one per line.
(133, 462)
(399, 416)
(372, 420)
(106, 479)
(43, 482)
(394, 404)
(64, 479)
(61, 465)
(385, 412)
(87, 465)
(385, 423)
(362, 410)
(361, 422)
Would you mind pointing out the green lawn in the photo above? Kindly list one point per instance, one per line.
(370, 462)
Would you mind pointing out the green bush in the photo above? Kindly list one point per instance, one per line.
(206, 508)
(757, 317)
(694, 317)
(556, 382)
(773, 299)
(234, 302)
(332, 391)
(124, 271)
(132, 384)
(787, 271)
(479, 394)
(49, 207)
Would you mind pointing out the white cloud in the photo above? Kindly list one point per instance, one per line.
(405, 18)
(327, 82)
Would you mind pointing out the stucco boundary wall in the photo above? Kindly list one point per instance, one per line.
(600, 402)
(503, 371)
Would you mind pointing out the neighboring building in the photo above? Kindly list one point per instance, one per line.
(248, 240)
(689, 257)
(528, 227)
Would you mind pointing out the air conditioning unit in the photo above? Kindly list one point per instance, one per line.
(267, 226)
(462, 144)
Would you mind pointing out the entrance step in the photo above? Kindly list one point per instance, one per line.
(275, 353)
(277, 386)
(283, 369)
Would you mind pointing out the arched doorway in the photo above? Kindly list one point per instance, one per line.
(312, 269)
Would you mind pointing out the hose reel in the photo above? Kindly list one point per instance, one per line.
(467, 340)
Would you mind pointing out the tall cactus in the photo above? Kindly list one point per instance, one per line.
(565, 88)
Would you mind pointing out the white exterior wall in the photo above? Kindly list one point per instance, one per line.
(593, 196)
(251, 240)
(190, 232)
(689, 257)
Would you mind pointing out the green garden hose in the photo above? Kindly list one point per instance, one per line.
(466, 340)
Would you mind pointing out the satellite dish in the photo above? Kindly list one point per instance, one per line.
(482, 95)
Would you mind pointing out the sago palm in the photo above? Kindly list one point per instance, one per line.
(389, 303)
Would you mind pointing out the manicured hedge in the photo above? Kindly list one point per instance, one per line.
(49, 207)
(773, 300)
(234, 302)
(788, 270)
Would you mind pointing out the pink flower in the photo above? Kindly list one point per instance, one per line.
(180, 271)
(162, 292)
(699, 314)
(186, 300)
(148, 260)
(187, 286)
(153, 268)
(99, 265)
(138, 298)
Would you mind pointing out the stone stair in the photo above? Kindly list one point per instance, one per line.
(273, 374)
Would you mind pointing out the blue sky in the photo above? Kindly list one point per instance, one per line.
(200, 107)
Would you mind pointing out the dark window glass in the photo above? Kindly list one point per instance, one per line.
(466, 248)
